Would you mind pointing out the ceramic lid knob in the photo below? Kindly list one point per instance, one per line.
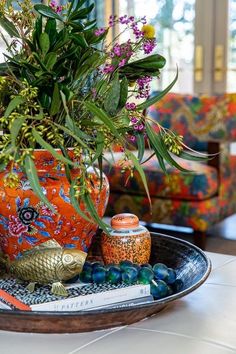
(124, 221)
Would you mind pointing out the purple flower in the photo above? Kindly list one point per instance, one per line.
(98, 32)
(122, 63)
(136, 31)
(149, 45)
(59, 9)
(108, 69)
(141, 127)
(55, 7)
(143, 86)
(134, 120)
(143, 20)
(136, 127)
(117, 50)
(130, 106)
(124, 20)
(112, 21)
(132, 138)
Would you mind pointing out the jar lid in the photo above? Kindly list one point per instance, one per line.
(124, 221)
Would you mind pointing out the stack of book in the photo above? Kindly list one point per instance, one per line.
(14, 295)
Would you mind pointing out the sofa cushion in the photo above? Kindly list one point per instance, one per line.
(198, 185)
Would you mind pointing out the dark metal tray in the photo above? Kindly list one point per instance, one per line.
(190, 263)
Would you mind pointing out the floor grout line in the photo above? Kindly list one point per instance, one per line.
(222, 265)
(96, 340)
(220, 284)
(218, 344)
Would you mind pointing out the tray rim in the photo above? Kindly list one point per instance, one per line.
(160, 302)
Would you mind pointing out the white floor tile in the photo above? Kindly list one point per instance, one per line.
(208, 313)
(31, 343)
(224, 274)
(135, 341)
(218, 260)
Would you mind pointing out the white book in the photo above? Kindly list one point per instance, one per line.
(90, 301)
(81, 296)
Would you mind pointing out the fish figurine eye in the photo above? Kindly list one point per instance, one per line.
(68, 258)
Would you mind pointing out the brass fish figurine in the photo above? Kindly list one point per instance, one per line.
(48, 263)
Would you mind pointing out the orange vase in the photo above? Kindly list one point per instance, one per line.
(127, 240)
(26, 222)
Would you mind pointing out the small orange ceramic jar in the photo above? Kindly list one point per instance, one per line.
(128, 240)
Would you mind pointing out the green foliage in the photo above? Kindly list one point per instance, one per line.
(66, 86)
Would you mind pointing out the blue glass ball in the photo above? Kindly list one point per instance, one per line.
(137, 266)
(145, 275)
(147, 265)
(171, 278)
(170, 290)
(86, 275)
(108, 266)
(159, 289)
(96, 265)
(160, 271)
(87, 265)
(99, 275)
(129, 275)
(114, 275)
(177, 285)
(124, 264)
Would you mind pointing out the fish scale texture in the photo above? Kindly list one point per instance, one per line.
(39, 267)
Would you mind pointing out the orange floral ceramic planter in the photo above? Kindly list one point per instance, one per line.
(25, 221)
(127, 241)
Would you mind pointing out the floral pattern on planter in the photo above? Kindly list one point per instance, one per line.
(26, 222)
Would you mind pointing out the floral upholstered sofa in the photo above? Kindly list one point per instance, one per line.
(197, 200)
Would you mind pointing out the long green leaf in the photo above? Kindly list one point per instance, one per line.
(153, 62)
(46, 11)
(74, 128)
(93, 212)
(160, 160)
(103, 117)
(75, 203)
(157, 98)
(50, 149)
(32, 176)
(79, 39)
(50, 60)
(69, 132)
(123, 92)
(157, 143)
(44, 42)
(56, 101)
(141, 146)
(187, 156)
(100, 146)
(81, 13)
(112, 99)
(16, 126)
(9, 27)
(15, 102)
(139, 168)
(51, 30)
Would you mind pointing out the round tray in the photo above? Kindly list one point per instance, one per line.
(190, 263)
